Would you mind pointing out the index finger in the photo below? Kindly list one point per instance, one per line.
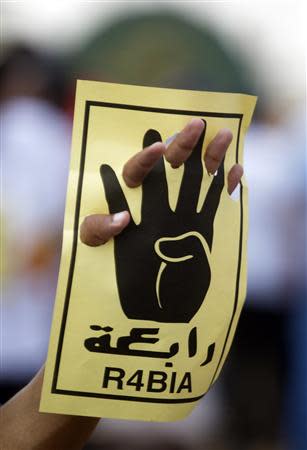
(136, 169)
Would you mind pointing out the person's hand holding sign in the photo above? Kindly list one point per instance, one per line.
(182, 266)
(147, 168)
(161, 257)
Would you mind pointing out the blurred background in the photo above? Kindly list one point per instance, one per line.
(260, 400)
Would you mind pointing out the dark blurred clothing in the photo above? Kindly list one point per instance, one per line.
(255, 376)
(260, 365)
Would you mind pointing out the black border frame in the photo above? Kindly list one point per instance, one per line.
(88, 105)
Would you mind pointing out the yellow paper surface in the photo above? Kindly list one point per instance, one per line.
(108, 356)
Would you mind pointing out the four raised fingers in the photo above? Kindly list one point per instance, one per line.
(99, 228)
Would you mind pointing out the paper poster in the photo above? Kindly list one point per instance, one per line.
(142, 325)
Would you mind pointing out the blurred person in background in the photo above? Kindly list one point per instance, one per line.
(261, 364)
(35, 139)
(295, 417)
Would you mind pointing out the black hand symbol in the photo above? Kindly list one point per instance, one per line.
(162, 267)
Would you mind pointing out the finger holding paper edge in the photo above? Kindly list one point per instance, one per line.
(97, 229)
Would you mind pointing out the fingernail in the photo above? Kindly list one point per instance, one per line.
(156, 145)
(194, 122)
(225, 135)
(118, 217)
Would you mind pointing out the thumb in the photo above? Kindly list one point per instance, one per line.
(181, 248)
(97, 229)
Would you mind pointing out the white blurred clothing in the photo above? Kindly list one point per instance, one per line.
(275, 172)
(35, 141)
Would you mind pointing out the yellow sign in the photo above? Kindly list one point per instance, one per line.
(143, 324)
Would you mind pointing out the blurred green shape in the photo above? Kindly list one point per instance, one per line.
(165, 50)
